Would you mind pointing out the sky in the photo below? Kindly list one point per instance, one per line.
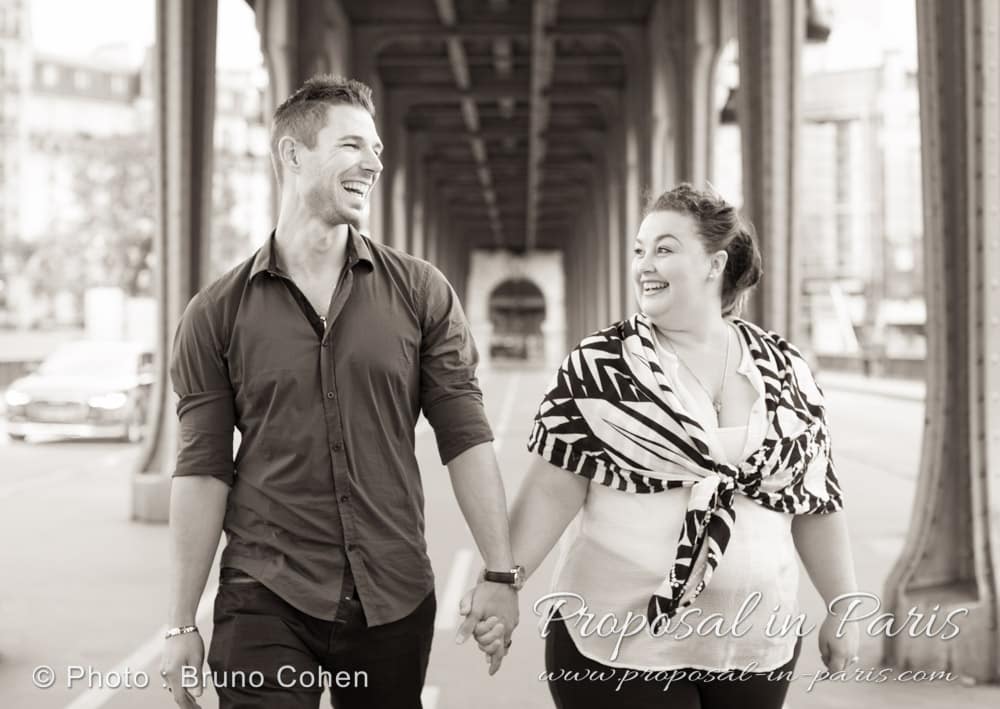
(862, 30)
(76, 28)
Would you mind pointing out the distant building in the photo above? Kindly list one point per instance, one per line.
(242, 157)
(859, 235)
(54, 114)
(860, 203)
(14, 86)
(69, 103)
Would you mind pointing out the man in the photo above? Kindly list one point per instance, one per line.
(322, 349)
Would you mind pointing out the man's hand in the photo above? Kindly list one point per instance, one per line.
(491, 612)
(178, 652)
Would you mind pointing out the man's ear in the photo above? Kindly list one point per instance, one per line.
(288, 153)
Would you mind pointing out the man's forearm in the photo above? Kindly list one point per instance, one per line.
(825, 549)
(197, 509)
(479, 490)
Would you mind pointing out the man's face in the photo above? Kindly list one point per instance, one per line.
(337, 176)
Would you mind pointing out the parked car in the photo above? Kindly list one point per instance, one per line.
(85, 389)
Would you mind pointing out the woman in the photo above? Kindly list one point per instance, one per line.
(694, 446)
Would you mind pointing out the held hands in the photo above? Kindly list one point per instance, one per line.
(491, 614)
(178, 652)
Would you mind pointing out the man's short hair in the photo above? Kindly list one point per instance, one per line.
(304, 113)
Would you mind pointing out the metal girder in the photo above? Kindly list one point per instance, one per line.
(542, 64)
(403, 61)
(437, 93)
(476, 29)
(470, 115)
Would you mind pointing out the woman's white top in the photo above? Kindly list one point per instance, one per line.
(621, 546)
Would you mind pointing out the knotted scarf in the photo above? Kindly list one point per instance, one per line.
(611, 416)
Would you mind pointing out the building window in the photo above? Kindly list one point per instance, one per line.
(81, 80)
(50, 75)
(119, 85)
(9, 22)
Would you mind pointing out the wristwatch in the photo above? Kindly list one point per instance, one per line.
(513, 578)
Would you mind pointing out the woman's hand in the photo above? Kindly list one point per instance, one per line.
(490, 634)
(838, 653)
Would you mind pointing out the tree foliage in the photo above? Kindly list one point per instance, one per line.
(104, 234)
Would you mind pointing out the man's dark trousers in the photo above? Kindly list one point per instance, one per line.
(258, 636)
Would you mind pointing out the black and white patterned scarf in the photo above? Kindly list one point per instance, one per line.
(612, 416)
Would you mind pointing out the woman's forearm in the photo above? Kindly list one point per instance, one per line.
(548, 500)
(825, 549)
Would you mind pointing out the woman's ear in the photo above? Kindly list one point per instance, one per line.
(718, 265)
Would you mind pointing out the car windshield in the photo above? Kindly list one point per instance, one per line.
(90, 359)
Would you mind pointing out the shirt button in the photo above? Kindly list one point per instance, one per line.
(337, 447)
(330, 395)
(350, 547)
(344, 498)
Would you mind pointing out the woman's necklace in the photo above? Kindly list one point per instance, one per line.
(716, 400)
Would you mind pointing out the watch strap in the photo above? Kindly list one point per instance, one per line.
(506, 577)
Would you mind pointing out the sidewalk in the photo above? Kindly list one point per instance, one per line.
(872, 472)
(91, 591)
(911, 389)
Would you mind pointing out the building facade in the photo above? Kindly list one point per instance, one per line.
(77, 176)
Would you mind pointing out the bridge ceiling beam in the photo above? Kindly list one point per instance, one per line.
(542, 66)
(513, 101)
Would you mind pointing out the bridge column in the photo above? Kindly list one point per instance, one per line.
(552, 280)
(771, 33)
(595, 273)
(579, 299)
(422, 196)
(637, 152)
(393, 182)
(276, 23)
(185, 111)
(685, 38)
(950, 558)
(351, 42)
(605, 261)
(299, 38)
(620, 242)
(413, 221)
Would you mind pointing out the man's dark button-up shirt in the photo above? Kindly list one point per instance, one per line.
(326, 476)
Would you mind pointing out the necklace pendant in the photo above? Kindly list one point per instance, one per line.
(717, 405)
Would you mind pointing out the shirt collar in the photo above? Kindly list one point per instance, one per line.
(267, 256)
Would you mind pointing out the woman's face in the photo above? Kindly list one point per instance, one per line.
(670, 268)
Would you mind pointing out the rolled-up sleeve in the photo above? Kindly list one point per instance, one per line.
(449, 391)
(205, 407)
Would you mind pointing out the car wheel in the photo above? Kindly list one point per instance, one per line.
(18, 437)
